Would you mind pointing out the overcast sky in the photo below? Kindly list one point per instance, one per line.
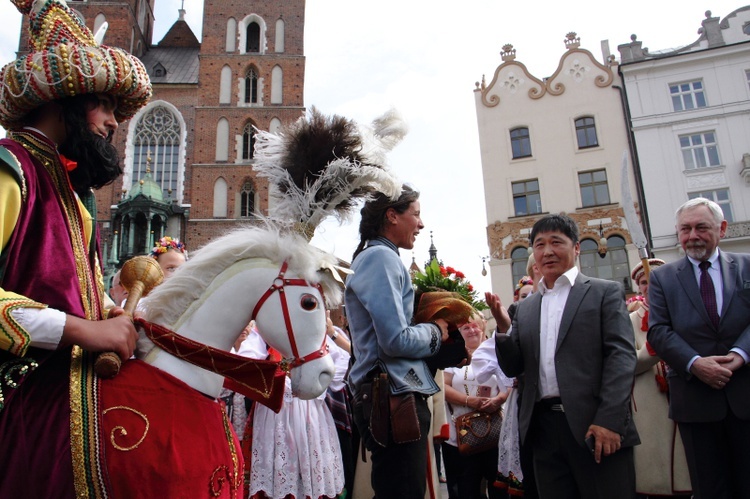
(423, 58)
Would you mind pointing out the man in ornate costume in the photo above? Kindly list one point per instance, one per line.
(60, 103)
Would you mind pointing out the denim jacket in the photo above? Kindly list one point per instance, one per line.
(379, 306)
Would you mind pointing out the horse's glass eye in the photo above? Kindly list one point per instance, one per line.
(308, 302)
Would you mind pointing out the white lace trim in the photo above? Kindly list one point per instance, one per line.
(296, 451)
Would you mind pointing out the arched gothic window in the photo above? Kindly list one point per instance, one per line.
(220, 198)
(277, 85)
(248, 142)
(279, 35)
(225, 86)
(231, 40)
(251, 86)
(252, 39)
(247, 200)
(157, 147)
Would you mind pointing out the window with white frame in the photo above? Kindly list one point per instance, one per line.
(699, 150)
(688, 95)
(586, 132)
(526, 197)
(720, 197)
(594, 188)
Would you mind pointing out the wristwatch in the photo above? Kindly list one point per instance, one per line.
(334, 335)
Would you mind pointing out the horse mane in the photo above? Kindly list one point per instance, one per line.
(169, 301)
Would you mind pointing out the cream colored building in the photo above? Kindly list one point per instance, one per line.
(551, 145)
(690, 112)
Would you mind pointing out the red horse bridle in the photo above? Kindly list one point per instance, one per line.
(278, 285)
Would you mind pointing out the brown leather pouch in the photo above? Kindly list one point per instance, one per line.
(404, 420)
(380, 415)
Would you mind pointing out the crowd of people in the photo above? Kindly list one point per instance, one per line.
(592, 400)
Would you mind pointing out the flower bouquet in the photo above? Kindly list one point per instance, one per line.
(445, 293)
(438, 278)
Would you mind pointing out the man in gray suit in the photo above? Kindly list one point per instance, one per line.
(574, 345)
(699, 324)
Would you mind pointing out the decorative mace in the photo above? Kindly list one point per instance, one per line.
(138, 276)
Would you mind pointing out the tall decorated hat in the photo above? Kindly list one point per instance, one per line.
(65, 60)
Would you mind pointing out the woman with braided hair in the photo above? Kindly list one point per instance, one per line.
(380, 303)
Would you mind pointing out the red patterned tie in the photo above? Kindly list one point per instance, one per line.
(708, 293)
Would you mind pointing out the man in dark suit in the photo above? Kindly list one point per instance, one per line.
(699, 323)
(573, 343)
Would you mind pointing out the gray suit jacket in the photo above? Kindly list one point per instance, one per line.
(594, 359)
(679, 329)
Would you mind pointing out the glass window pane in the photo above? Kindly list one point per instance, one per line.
(700, 99)
(687, 157)
(591, 137)
(685, 141)
(587, 196)
(600, 176)
(713, 156)
(535, 203)
(722, 195)
(532, 185)
(728, 215)
(700, 158)
(584, 178)
(602, 194)
(518, 188)
(520, 205)
(587, 259)
(588, 245)
(519, 252)
(677, 103)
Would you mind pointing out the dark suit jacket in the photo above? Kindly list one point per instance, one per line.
(594, 360)
(679, 329)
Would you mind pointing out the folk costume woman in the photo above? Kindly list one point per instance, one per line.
(660, 463)
(60, 103)
(170, 254)
(465, 393)
(295, 452)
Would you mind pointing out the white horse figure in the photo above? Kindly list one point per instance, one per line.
(214, 295)
(157, 429)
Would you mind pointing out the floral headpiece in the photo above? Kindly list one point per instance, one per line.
(167, 243)
(524, 281)
(439, 278)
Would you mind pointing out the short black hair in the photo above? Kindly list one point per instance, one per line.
(555, 223)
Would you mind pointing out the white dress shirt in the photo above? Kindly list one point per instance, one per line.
(553, 304)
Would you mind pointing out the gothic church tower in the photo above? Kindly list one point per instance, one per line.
(188, 155)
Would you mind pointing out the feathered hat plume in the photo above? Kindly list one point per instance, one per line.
(321, 166)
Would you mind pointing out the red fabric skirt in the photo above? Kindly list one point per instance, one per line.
(162, 438)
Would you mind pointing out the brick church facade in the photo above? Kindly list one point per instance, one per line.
(188, 155)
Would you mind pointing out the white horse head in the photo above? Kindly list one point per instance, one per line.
(213, 296)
